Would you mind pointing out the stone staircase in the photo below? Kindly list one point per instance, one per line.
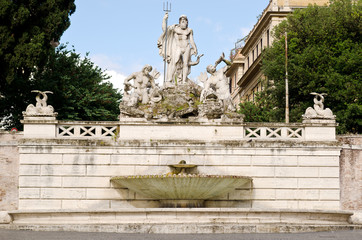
(182, 220)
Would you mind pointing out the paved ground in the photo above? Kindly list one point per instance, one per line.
(30, 235)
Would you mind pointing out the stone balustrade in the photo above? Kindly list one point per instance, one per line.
(308, 130)
(274, 131)
(66, 129)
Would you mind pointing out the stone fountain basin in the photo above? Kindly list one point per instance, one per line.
(182, 186)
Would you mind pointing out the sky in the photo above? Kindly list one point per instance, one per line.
(121, 35)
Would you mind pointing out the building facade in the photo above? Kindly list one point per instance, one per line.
(245, 73)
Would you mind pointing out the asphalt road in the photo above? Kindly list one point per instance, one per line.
(30, 235)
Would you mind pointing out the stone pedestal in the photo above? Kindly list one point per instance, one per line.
(40, 126)
(320, 129)
(40, 119)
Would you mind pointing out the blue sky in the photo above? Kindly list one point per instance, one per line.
(121, 35)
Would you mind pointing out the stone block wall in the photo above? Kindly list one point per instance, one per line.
(9, 170)
(75, 174)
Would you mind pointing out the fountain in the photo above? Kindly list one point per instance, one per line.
(65, 166)
(182, 187)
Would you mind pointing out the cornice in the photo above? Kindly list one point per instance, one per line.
(254, 68)
(256, 32)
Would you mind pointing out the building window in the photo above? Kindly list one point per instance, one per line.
(267, 38)
(257, 50)
(248, 63)
(261, 44)
(253, 55)
(235, 80)
(230, 88)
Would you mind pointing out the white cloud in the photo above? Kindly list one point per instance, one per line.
(105, 62)
(111, 67)
(116, 79)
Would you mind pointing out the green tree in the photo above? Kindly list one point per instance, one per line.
(325, 56)
(81, 90)
(258, 111)
(27, 29)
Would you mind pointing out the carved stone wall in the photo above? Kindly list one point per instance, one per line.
(74, 170)
(9, 170)
(351, 172)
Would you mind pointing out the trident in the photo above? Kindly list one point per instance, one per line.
(165, 9)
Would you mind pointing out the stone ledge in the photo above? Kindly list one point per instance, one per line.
(188, 121)
(232, 210)
(39, 121)
(183, 228)
(242, 143)
(174, 216)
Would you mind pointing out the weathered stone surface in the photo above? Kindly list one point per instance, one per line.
(187, 220)
(126, 111)
(9, 170)
(211, 108)
(288, 230)
(356, 218)
(286, 174)
(5, 217)
(179, 101)
(351, 172)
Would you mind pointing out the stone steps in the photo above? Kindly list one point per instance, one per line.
(183, 228)
(182, 220)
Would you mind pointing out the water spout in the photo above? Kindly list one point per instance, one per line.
(182, 167)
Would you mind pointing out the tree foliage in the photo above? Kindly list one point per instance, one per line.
(28, 61)
(258, 111)
(325, 56)
(81, 90)
(26, 29)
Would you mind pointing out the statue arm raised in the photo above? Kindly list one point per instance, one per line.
(222, 59)
(164, 22)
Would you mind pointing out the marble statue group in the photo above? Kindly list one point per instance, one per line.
(178, 97)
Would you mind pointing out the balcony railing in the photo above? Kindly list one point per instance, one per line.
(109, 129)
(274, 131)
(86, 129)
